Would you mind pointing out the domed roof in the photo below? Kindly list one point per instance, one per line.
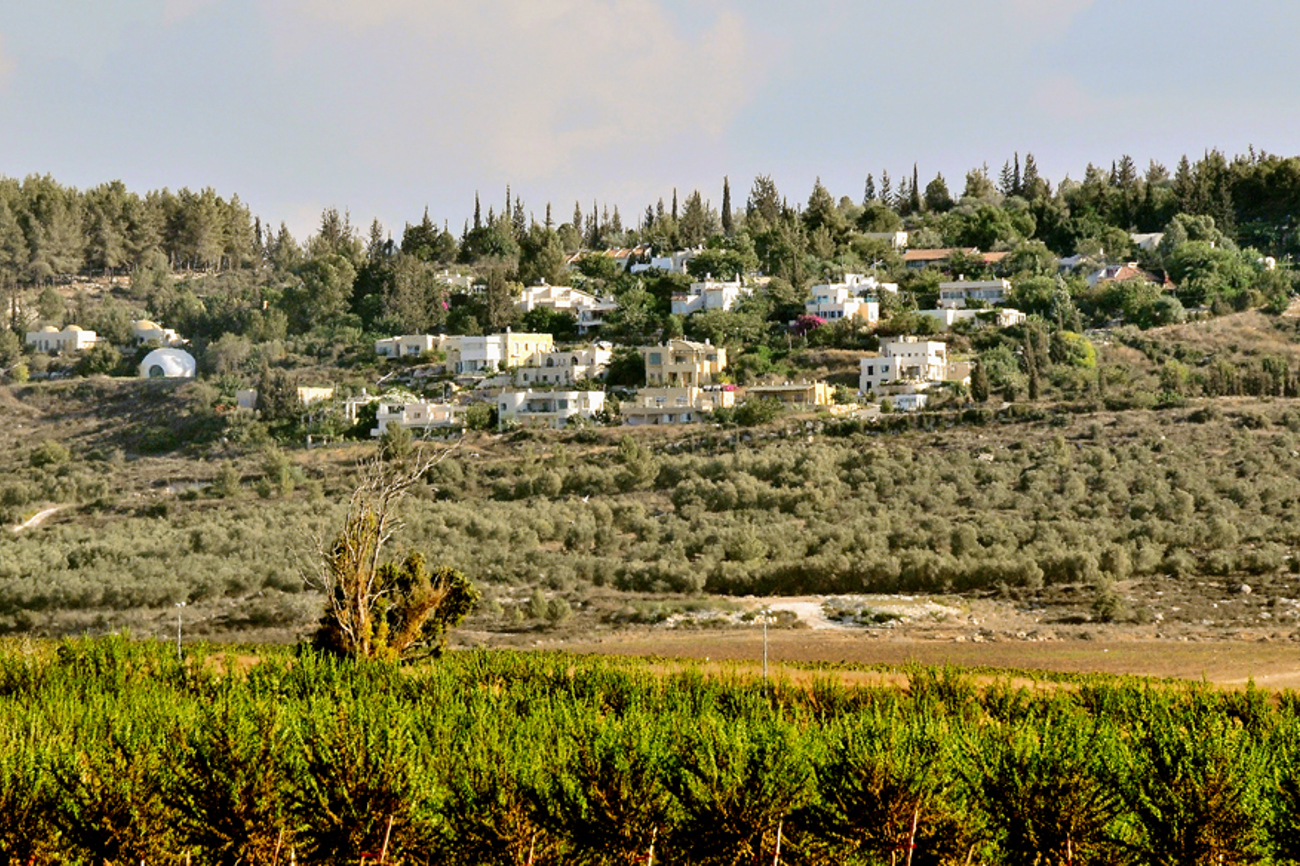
(168, 364)
(49, 329)
(75, 328)
(146, 325)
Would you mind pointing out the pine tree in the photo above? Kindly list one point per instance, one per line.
(549, 224)
(577, 217)
(886, 189)
(869, 190)
(1030, 182)
(1184, 185)
(726, 205)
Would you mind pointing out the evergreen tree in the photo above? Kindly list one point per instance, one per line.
(979, 384)
(914, 203)
(478, 213)
(726, 205)
(674, 204)
(886, 190)
(869, 190)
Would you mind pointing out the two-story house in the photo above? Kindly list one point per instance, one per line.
(565, 367)
(589, 310)
(676, 405)
(833, 301)
(550, 408)
(957, 294)
(488, 354)
(683, 363)
(904, 359)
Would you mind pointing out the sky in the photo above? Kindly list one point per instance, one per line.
(385, 107)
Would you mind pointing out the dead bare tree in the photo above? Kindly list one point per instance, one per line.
(377, 608)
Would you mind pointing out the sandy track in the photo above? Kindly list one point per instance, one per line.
(38, 518)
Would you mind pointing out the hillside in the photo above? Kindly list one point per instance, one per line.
(1045, 521)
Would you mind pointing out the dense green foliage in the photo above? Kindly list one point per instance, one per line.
(114, 753)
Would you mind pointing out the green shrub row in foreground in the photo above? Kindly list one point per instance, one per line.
(111, 751)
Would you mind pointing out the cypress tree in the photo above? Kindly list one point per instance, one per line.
(726, 205)
(869, 191)
(979, 384)
(915, 203)
(478, 214)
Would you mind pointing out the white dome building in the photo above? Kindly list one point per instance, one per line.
(168, 364)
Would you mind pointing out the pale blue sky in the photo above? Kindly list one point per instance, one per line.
(383, 106)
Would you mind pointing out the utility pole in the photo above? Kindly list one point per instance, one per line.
(180, 607)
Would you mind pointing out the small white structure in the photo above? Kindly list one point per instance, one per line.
(709, 295)
(147, 332)
(911, 402)
(956, 294)
(1003, 317)
(676, 405)
(168, 364)
(1146, 241)
(565, 367)
(588, 309)
(407, 346)
(896, 240)
(904, 359)
(550, 408)
(51, 340)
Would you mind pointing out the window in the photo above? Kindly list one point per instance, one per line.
(563, 404)
(656, 359)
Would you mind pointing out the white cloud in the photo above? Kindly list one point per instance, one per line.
(529, 89)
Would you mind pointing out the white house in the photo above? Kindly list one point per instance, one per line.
(494, 352)
(51, 340)
(168, 364)
(958, 293)
(682, 405)
(1003, 317)
(588, 309)
(832, 301)
(417, 415)
(147, 332)
(709, 295)
(550, 408)
(407, 346)
(565, 367)
(674, 263)
(904, 359)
